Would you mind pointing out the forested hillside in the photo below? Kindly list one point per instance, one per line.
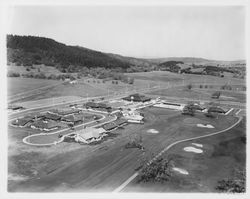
(28, 50)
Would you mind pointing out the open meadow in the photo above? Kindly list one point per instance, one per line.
(166, 76)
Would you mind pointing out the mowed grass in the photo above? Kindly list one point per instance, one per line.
(105, 166)
(36, 88)
(200, 94)
(166, 76)
(221, 155)
(19, 85)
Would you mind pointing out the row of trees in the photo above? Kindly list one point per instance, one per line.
(42, 76)
(104, 73)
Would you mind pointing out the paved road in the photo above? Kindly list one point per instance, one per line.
(131, 178)
(53, 137)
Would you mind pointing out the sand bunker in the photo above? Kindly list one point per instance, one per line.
(209, 126)
(193, 121)
(16, 177)
(198, 145)
(192, 149)
(182, 171)
(227, 97)
(152, 131)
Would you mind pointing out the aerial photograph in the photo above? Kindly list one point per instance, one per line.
(126, 99)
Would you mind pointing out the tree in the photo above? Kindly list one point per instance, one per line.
(236, 184)
(130, 80)
(189, 86)
(13, 74)
(135, 142)
(159, 170)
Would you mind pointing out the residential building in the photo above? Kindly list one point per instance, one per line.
(137, 98)
(45, 125)
(22, 122)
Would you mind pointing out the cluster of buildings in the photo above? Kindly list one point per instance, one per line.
(51, 120)
(55, 118)
(90, 134)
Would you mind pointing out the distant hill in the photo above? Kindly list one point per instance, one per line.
(197, 61)
(187, 60)
(135, 62)
(28, 50)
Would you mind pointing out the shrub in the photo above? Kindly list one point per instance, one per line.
(79, 75)
(13, 74)
(189, 86)
(52, 76)
(72, 78)
(135, 143)
(130, 80)
(226, 87)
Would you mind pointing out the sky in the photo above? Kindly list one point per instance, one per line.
(139, 31)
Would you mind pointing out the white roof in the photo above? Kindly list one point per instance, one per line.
(90, 132)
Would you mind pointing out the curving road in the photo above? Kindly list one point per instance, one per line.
(26, 140)
(124, 184)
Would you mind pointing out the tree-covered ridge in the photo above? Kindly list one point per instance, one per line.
(28, 50)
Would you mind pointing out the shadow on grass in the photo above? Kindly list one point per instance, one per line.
(110, 136)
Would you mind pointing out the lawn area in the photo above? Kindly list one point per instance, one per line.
(82, 89)
(200, 94)
(167, 76)
(221, 155)
(20, 85)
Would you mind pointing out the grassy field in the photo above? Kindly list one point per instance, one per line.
(102, 167)
(37, 90)
(47, 70)
(21, 85)
(221, 155)
(166, 76)
(88, 87)
(200, 94)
